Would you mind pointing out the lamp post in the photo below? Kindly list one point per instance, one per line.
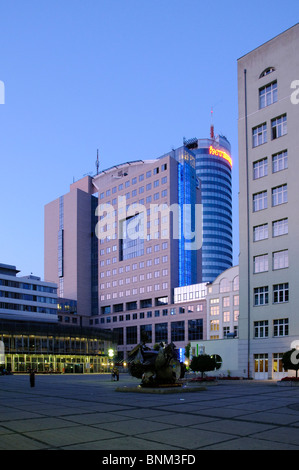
(110, 357)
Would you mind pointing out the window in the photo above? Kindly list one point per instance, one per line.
(279, 127)
(260, 232)
(260, 263)
(281, 259)
(236, 281)
(260, 168)
(268, 95)
(260, 201)
(281, 327)
(214, 310)
(261, 296)
(225, 302)
(226, 316)
(280, 161)
(267, 71)
(280, 227)
(279, 195)
(259, 135)
(131, 334)
(224, 285)
(161, 332)
(281, 293)
(214, 325)
(178, 331)
(195, 329)
(261, 329)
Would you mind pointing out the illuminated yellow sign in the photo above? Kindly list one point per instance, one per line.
(220, 153)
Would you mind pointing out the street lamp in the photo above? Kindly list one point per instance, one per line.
(110, 357)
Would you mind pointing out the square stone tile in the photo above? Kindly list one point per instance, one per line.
(72, 435)
(134, 427)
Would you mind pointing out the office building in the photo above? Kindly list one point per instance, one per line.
(159, 224)
(71, 247)
(26, 297)
(214, 170)
(269, 198)
(32, 337)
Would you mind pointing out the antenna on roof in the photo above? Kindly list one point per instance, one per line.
(212, 126)
(97, 162)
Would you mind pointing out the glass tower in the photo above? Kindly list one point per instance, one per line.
(214, 169)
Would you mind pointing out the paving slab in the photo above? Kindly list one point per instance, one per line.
(85, 412)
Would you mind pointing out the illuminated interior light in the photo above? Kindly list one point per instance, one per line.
(220, 153)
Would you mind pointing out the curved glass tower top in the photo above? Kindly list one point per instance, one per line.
(214, 169)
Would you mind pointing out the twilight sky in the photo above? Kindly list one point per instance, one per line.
(131, 78)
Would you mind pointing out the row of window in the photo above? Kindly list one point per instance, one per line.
(141, 177)
(280, 260)
(28, 297)
(149, 314)
(27, 308)
(279, 163)
(280, 294)
(278, 129)
(148, 263)
(225, 301)
(280, 328)
(279, 227)
(279, 195)
(134, 279)
(149, 250)
(134, 291)
(177, 332)
(215, 327)
(226, 315)
(25, 286)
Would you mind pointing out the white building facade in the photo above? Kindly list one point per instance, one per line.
(268, 205)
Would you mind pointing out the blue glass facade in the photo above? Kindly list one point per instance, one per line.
(215, 174)
(188, 268)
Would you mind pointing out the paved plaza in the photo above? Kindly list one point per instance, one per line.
(86, 412)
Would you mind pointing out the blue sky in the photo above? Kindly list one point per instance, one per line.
(131, 78)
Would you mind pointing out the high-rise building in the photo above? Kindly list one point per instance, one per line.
(214, 170)
(71, 246)
(268, 79)
(146, 216)
(126, 238)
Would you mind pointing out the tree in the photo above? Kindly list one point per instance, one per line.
(187, 350)
(203, 363)
(290, 360)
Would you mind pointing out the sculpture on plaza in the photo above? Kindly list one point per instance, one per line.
(155, 366)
